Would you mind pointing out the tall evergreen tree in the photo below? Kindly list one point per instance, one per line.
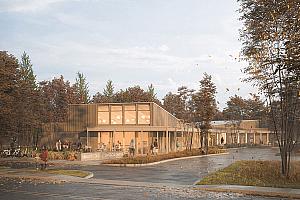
(109, 90)
(28, 109)
(82, 89)
(205, 106)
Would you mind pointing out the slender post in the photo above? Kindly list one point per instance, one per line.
(123, 141)
(142, 138)
(87, 138)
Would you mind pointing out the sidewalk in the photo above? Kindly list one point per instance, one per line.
(253, 190)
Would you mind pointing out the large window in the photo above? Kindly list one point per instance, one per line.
(130, 114)
(103, 114)
(116, 115)
(143, 114)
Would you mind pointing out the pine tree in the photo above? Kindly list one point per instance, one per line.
(108, 92)
(82, 89)
(205, 106)
(28, 107)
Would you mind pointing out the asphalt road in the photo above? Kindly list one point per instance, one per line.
(18, 190)
(181, 172)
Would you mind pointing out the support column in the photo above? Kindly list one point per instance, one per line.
(260, 139)
(268, 139)
(135, 143)
(175, 139)
(246, 138)
(192, 138)
(142, 138)
(123, 141)
(87, 138)
(217, 138)
(238, 138)
(254, 139)
(168, 140)
(158, 143)
(99, 141)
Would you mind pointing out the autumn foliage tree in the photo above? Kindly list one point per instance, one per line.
(271, 38)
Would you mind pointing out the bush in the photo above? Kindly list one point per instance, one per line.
(62, 155)
(160, 157)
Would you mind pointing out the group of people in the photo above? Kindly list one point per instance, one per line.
(153, 148)
(59, 145)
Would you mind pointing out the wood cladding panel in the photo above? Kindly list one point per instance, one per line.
(82, 116)
(163, 118)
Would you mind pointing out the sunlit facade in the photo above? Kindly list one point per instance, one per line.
(112, 126)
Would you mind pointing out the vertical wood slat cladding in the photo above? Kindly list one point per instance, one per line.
(78, 117)
(163, 118)
(92, 115)
(82, 116)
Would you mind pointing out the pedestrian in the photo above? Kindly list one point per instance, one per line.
(151, 149)
(132, 147)
(222, 140)
(59, 145)
(44, 157)
(177, 145)
(155, 147)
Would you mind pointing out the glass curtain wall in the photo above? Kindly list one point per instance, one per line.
(116, 115)
(103, 114)
(143, 114)
(130, 114)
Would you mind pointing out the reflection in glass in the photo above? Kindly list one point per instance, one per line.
(143, 117)
(103, 117)
(143, 107)
(130, 117)
(116, 117)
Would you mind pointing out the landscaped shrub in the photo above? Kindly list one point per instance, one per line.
(62, 155)
(160, 157)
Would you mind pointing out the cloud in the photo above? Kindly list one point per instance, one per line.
(164, 48)
(26, 5)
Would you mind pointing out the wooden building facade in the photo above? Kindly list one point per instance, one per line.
(112, 126)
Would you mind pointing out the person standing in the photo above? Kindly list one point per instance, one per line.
(132, 147)
(155, 147)
(44, 158)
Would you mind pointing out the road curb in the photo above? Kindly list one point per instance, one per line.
(163, 161)
(91, 175)
(252, 190)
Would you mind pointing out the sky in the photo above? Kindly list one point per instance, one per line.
(167, 43)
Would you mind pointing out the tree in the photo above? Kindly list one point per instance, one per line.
(9, 90)
(29, 107)
(271, 38)
(234, 113)
(132, 94)
(82, 89)
(180, 104)
(109, 91)
(172, 103)
(56, 95)
(205, 106)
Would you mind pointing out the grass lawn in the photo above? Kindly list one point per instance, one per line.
(254, 173)
(160, 157)
(76, 173)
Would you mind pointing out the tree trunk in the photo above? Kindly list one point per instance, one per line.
(206, 142)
